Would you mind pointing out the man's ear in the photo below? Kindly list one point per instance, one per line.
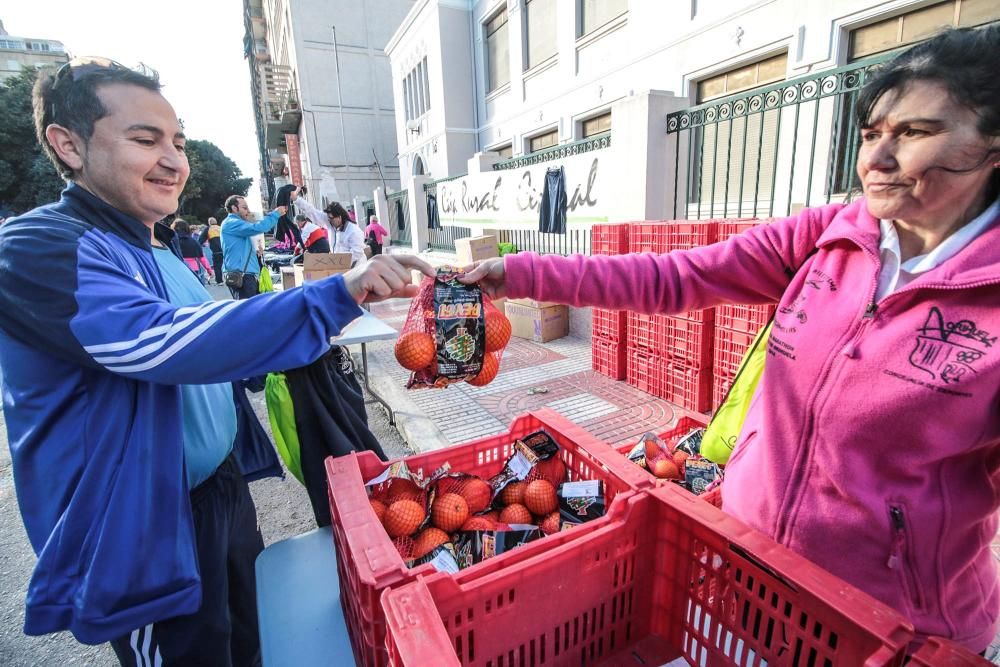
(67, 145)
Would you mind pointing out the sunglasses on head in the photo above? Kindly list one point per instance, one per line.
(84, 65)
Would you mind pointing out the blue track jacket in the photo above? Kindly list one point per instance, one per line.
(91, 351)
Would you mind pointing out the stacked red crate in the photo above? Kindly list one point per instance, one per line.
(670, 357)
(609, 327)
(736, 326)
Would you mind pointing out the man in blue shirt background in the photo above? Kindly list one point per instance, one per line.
(238, 252)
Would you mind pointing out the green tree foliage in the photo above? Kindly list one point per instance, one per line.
(213, 178)
(27, 178)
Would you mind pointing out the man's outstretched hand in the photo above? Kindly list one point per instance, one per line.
(385, 277)
(490, 275)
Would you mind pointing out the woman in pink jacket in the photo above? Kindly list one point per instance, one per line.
(872, 446)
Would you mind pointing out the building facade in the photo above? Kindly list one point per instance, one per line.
(751, 100)
(19, 52)
(322, 94)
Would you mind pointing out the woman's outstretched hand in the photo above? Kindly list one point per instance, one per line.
(490, 275)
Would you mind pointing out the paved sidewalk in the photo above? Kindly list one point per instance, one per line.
(532, 375)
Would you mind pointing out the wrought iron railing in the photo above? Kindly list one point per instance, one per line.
(432, 185)
(594, 143)
(399, 218)
(757, 153)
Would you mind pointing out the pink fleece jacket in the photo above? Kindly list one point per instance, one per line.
(871, 446)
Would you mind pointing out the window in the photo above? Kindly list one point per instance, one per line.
(540, 31)
(595, 13)
(742, 151)
(754, 75)
(597, 125)
(505, 152)
(542, 141)
(416, 92)
(497, 52)
(919, 25)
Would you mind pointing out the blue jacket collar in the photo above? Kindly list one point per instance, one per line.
(105, 217)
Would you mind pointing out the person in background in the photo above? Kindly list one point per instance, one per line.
(314, 238)
(872, 445)
(345, 236)
(191, 252)
(375, 234)
(211, 239)
(117, 397)
(238, 250)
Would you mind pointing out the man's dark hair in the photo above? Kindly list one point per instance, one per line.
(337, 211)
(963, 61)
(181, 227)
(72, 102)
(231, 201)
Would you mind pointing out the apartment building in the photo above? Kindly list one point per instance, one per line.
(746, 104)
(18, 52)
(322, 94)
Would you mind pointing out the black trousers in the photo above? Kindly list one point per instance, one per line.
(217, 267)
(223, 632)
(249, 289)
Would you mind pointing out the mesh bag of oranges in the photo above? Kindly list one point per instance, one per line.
(452, 334)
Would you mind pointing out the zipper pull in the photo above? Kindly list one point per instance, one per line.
(870, 311)
(848, 350)
(899, 534)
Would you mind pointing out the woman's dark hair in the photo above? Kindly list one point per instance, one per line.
(74, 103)
(181, 227)
(337, 211)
(963, 60)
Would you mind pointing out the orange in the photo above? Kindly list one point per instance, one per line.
(378, 507)
(498, 330)
(515, 513)
(427, 540)
(550, 524)
(449, 512)
(513, 493)
(477, 494)
(479, 523)
(403, 518)
(540, 497)
(666, 469)
(488, 372)
(552, 469)
(415, 350)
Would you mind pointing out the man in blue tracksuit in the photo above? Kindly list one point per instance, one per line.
(238, 253)
(144, 530)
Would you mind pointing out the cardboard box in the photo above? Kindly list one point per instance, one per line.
(537, 324)
(291, 276)
(318, 265)
(475, 248)
(531, 303)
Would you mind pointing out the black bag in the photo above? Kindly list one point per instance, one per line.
(374, 246)
(234, 279)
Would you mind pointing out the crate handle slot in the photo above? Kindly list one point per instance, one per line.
(743, 553)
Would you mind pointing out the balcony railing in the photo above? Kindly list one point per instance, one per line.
(594, 143)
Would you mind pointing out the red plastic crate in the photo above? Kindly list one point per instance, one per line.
(730, 347)
(720, 387)
(609, 239)
(684, 341)
(744, 317)
(687, 387)
(664, 236)
(609, 324)
(367, 561)
(668, 577)
(608, 357)
(940, 652)
(729, 228)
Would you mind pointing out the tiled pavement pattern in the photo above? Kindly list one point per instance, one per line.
(612, 411)
(556, 374)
